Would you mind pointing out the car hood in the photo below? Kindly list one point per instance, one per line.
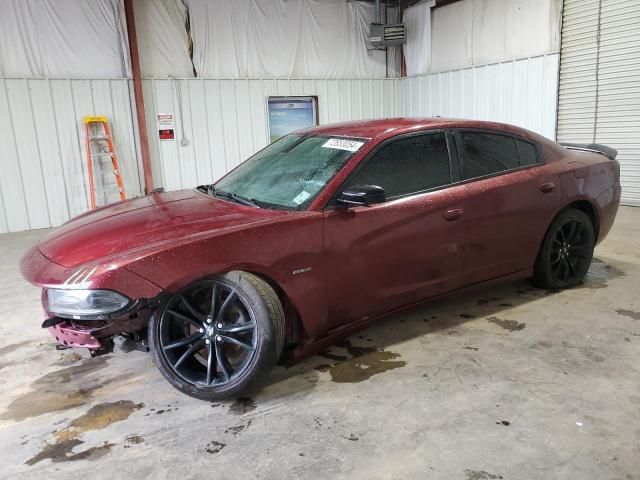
(164, 219)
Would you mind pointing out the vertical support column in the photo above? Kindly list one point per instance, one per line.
(139, 96)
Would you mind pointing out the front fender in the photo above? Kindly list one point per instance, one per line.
(289, 255)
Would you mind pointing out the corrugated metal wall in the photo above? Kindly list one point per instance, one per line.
(618, 115)
(599, 98)
(43, 180)
(225, 121)
(520, 92)
(578, 59)
(42, 162)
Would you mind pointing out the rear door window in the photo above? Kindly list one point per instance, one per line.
(528, 154)
(486, 154)
(406, 166)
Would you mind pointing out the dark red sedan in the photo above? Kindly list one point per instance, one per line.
(316, 235)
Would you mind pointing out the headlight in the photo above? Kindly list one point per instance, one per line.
(85, 302)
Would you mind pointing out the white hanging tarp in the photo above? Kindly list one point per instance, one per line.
(482, 32)
(63, 38)
(163, 40)
(417, 50)
(283, 38)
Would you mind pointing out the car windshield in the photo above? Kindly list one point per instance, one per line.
(289, 173)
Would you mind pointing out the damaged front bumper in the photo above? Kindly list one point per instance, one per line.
(98, 335)
(85, 331)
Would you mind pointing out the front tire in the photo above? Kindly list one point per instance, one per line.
(566, 251)
(215, 338)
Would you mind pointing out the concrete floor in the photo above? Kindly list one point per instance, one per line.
(512, 383)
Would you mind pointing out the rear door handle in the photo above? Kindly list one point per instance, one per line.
(547, 187)
(452, 214)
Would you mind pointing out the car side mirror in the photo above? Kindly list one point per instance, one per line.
(363, 195)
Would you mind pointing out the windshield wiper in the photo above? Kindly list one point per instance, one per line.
(208, 189)
(232, 196)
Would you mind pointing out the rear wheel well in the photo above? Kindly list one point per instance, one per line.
(589, 210)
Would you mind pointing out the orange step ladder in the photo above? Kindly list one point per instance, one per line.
(98, 135)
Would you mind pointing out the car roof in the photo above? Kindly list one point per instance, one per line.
(388, 127)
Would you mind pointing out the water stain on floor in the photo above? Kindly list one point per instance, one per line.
(134, 439)
(12, 347)
(56, 391)
(62, 389)
(481, 475)
(242, 405)
(238, 429)
(628, 313)
(63, 452)
(214, 447)
(364, 363)
(509, 325)
(97, 417)
(600, 273)
(8, 364)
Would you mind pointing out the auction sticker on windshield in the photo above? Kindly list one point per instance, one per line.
(301, 197)
(343, 144)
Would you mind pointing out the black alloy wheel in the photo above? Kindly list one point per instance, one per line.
(216, 336)
(570, 248)
(566, 252)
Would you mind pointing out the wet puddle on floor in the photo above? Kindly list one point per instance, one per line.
(362, 364)
(509, 325)
(97, 417)
(61, 390)
(628, 313)
(600, 273)
(61, 452)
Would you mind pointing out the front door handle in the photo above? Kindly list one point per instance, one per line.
(547, 187)
(452, 214)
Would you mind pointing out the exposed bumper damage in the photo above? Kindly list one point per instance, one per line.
(73, 336)
(98, 335)
(95, 333)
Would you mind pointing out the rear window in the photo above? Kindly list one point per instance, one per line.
(527, 153)
(487, 153)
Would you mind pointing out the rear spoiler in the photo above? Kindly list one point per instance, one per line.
(608, 152)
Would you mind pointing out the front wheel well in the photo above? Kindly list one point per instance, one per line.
(294, 329)
(589, 210)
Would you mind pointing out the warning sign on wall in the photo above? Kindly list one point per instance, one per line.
(166, 126)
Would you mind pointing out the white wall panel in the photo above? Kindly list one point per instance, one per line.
(43, 163)
(225, 120)
(520, 92)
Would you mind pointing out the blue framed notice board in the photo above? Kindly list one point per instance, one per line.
(288, 114)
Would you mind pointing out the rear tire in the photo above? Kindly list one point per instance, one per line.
(566, 251)
(216, 338)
